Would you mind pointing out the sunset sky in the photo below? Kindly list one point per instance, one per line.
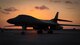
(41, 9)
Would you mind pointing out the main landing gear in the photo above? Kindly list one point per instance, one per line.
(50, 32)
(23, 30)
(41, 32)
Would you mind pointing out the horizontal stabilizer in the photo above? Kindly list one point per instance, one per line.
(69, 25)
(64, 20)
(55, 19)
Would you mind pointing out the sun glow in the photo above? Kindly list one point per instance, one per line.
(45, 10)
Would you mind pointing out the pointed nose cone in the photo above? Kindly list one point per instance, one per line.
(10, 21)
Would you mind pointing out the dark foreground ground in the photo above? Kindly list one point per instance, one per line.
(32, 38)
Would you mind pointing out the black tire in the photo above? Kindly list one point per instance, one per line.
(50, 32)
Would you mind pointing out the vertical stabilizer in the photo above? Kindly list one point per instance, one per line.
(55, 18)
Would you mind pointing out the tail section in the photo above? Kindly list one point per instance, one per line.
(64, 20)
(55, 19)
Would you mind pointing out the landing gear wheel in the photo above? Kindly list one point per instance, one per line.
(50, 32)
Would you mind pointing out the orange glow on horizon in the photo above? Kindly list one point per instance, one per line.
(28, 8)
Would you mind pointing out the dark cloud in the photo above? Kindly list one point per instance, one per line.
(66, 2)
(41, 7)
(8, 10)
(4, 12)
(11, 9)
(69, 2)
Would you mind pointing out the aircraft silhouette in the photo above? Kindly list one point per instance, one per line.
(38, 24)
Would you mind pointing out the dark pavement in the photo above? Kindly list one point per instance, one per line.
(32, 38)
